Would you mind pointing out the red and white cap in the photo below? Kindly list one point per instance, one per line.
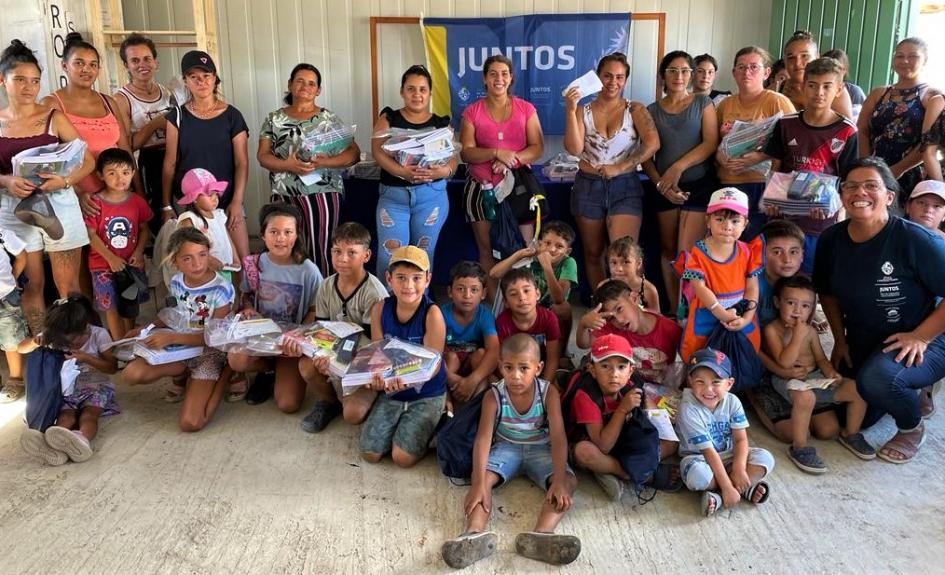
(611, 345)
(934, 187)
(728, 199)
(196, 182)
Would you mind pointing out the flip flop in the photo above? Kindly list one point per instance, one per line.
(468, 548)
(709, 497)
(899, 444)
(548, 548)
(750, 494)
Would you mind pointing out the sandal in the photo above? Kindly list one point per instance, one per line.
(174, 391)
(12, 390)
(711, 502)
(666, 478)
(902, 448)
(750, 494)
(468, 548)
(549, 548)
(238, 388)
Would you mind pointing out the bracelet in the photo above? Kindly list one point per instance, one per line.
(66, 180)
(167, 209)
(715, 305)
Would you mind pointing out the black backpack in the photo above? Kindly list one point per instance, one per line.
(43, 387)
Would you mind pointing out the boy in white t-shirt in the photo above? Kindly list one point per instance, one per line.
(12, 325)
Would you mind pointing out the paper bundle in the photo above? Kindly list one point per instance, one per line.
(392, 358)
(797, 193)
(59, 159)
(747, 137)
(337, 340)
(259, 337)
(561, 168)
(423, 148)
(169, 354)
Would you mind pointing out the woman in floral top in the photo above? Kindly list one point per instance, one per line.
(280, 138)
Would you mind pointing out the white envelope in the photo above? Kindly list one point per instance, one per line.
(587, 84)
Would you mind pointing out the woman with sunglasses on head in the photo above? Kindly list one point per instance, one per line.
(894, 117)
(799, 51)
(880, 278)
(612, 136)
(681, 174)
(413, 204)
(752, 103)
(280, 140)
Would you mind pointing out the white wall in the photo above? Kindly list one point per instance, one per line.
(261, 40)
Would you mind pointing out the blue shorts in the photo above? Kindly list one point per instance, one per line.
(595, 198)
(407, 424)
(509, 460)
(12, 324)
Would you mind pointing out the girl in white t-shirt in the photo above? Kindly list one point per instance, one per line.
(202, 193)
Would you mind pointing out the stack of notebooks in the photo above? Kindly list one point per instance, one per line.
(331, 142)
(797, 193)
(59, 159)
(256, 336)
(747, 137)
(561, 168)
(169, 354)
(423, 148)
(337, 340)
(392, 358)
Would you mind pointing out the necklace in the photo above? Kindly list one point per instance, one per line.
(506, 113)
(203, 114)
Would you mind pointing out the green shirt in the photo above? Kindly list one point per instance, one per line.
(566, 269)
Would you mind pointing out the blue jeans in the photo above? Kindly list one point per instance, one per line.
(890, 387)
(411, 215)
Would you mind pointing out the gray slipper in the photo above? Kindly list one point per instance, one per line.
(807, 460)
(72, 443)
(548, 547)
(34, 444)
(468, 548)
(707, 498)
(858, 446)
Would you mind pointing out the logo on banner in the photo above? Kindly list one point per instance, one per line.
(463, 94)
(542, 57)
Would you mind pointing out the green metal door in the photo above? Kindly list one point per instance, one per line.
(867, 29)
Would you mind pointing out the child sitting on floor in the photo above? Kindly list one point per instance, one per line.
(713, 443)
(791, 341)
(528, 438)
(523, 315)
(625, 262)
(70, 327)
(554, 269)
(472, 344)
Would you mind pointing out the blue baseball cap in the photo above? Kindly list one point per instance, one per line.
(717, 361)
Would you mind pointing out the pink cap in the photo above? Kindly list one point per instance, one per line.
(611, 345)
(199, 181)
(728, 199)
(934, 187)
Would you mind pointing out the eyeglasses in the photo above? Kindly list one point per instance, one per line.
(679, 71)
(868, 185)
(748, 68)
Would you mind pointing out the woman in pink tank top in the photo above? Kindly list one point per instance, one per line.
(91, 112)
(26, 124)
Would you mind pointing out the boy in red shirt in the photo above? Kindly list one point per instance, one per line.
(522, 314)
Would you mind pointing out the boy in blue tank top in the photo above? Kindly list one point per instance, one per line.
(403, 420)
(522, 415)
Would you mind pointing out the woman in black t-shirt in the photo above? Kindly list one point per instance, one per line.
(413, 203)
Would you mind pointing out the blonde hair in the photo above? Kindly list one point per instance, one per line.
(179, 238)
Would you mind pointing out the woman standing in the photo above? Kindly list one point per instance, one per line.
(703, 80)
(612, 136)
(683, 175)
(413, 204)
(752, 103)
(499, 132)
(84, 107)
(799, 51)
(27, 124)
(143, 104)
(894, 118)
(879, 278)
(280, 138)
(207, 133)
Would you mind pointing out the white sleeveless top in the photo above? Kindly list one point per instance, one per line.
(599, 150)
(143, 111)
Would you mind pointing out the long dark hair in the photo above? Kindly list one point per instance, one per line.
(15, 54)
(75, 42)
(500, 59)
(618, 57)
(298, 68)
(67, 318)
(668, 59)
(276, 209)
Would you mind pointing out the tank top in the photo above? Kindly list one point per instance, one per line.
(896, 128)
(600, 150)
(413, 331)
(99, 134)
(530, 427)
(10, 146)
(679, 133)
(143, 111)
(397, 120)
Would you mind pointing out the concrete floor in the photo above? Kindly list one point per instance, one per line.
(252, 493)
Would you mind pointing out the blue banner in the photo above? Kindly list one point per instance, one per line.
(548, 51)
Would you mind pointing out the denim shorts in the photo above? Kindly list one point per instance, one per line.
(407, 424)
(12, 324)
(824, 397)
(595, 198)
(509, 460)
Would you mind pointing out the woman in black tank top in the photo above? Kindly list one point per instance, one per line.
(413, 202)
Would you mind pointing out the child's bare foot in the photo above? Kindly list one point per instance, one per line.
(548, 547)
(758, 493)
(468, 548)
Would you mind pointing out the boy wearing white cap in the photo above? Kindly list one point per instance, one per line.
(719, 275)
(926, 205)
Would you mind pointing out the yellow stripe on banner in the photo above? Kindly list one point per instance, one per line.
(434, 43)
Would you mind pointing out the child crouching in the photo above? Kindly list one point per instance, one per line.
(525, 414)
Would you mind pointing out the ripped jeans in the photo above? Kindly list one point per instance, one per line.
(411, 215)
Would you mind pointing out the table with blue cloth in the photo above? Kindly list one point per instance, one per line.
(456, 242)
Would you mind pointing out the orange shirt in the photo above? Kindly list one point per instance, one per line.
(731, 109)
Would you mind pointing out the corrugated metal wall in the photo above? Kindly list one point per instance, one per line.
(261, 40)
(867, 29)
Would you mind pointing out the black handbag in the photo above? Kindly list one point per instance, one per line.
(525, 187)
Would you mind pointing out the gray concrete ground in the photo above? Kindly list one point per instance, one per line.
(252, 493)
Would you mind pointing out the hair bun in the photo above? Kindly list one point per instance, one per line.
(73, 38)
(16, 43)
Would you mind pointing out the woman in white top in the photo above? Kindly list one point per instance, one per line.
(611, 135)
(143, 103)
